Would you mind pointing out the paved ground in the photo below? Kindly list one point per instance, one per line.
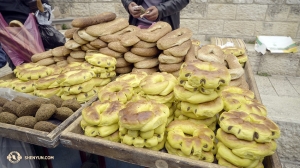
(5, 70)
(281, 96)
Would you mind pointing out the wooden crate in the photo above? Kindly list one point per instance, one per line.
(36, 137)
(72, 137)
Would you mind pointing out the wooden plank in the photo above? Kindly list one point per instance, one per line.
(36, 137)
(8, 76)
(270, 161)
(72, 137)
(251, 80)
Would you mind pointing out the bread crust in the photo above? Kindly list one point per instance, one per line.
(170, 67)
(46, 61)
(40, 56)
(92, 20)
(146, 52)
(146, 64)
(69, 33)
(133, 58)
(124, 70)
(174, 38)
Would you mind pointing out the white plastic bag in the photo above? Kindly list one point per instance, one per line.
(46, 17)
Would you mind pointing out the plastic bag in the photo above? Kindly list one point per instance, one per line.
(44, 18)
(20, 43)
(51, 37)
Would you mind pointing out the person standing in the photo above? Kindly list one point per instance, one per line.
(155, 10)
(14, 10)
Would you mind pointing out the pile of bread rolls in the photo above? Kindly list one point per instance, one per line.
(175, 46)
(244, 139)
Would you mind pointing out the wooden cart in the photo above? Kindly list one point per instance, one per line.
(73, 137)
(36, 137)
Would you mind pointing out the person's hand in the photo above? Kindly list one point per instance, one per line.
(151, 13)
(133, 10)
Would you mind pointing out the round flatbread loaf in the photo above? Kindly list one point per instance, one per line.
(40, 56)
(133, 58)
(121, 62)
(62, 63)
(77, 54)
(146, 64)
(71, 59)
(170, 67)
(123, 70)
(71, 44)
(78, 39)
(69, 32)
(169, 59)
(46, 61)
(60, 51)
(97, 43)
(92, 20)
(110, 52)
(57, 59)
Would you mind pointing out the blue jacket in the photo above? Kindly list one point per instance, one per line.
(169, 11)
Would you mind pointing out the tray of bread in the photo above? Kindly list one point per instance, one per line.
(156, 97)
(36, 120)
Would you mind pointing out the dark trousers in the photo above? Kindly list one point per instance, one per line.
(4, 59)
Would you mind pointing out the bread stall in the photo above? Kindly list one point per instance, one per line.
(73, 137)
(162, 100)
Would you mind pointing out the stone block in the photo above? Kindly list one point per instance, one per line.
(218, 1)
(254, 60)
(194, 10)
(80, 9)
(198, 1)
(298, 70)
(199, 37)
(221, 11)
(241, 28)
(279, 63)
(243, 1)
(276, 28)
(192, 24)
(231, 1)
(278, 12)
(251, 12)
(210, 26)
(64, 9)
(56, 12)
(298, 35)
(97, 8)
(288, 146)
(269, 1)
(120, 10)
(292, 1)
(294, 14)
(288, 164)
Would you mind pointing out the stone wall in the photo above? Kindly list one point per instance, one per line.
(284, 64)
(223, 18)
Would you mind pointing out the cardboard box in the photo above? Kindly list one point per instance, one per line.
(275, 44)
